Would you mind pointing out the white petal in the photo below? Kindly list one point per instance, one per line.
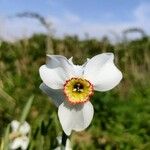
(78, 69)
(56, 71)
(14, 125)
(71, 61)
(68, 145)
(16, 143)
(102, 72)
(24, 143)
(55, 61)
(75, 117)
(20, 142)
(53, 78)
(56, 95)
(24, 128)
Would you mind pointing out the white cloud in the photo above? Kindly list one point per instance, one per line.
(140, 19)
(142, 12)
(16, 28)
(72, 18)
(70, 23)
(94, 29)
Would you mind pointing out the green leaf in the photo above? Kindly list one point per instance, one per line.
(6, 138)
(26, 109)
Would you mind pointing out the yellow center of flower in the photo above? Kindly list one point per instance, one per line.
(78, 90)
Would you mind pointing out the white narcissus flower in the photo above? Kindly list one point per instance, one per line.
(71, 86)
(19, 135)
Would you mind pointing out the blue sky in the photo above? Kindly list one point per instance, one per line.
(96, 17)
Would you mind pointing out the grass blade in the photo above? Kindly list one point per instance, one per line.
(26, 109)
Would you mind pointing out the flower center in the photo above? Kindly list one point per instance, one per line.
(78, 87)
(14, 135)
(78, 90)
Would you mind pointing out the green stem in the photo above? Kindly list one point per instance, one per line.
(64, 139)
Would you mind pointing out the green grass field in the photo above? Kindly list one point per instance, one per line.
(122, 115)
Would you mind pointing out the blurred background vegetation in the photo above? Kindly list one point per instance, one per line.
(122, 115)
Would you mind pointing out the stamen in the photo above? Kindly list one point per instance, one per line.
(78, 87)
